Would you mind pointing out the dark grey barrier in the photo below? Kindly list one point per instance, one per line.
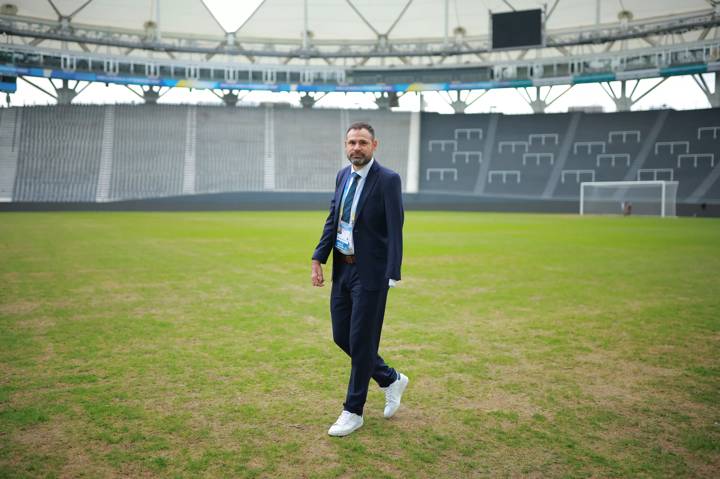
(271, 201)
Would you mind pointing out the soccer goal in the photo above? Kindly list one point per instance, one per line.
(651, 198)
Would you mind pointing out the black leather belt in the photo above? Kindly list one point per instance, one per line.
(347, 259)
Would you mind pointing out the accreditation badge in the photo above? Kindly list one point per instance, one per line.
(343, 240)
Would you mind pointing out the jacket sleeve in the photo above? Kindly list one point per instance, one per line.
(327, 239)
(394, 216)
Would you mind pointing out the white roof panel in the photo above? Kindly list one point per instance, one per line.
(335, 19)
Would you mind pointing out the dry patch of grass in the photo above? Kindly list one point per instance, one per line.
(18, 308)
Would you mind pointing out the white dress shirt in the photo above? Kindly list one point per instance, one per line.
(363, 172)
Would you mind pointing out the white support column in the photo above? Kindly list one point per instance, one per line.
(459, 105)
(9, 136)
(625, 101)
(713, 97)
(102, 193)
(190, 145)
(413, 161)
(269, 161)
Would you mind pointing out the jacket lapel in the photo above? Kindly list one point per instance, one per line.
(338, 193)
(370, 181)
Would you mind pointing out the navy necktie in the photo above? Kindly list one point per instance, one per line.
(347, 206)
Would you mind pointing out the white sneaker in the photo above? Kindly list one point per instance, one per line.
(346, 423)
(393, 395)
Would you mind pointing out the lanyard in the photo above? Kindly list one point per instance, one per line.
(344, 196)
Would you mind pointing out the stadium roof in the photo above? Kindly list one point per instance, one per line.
(351, 20)
(353, 45)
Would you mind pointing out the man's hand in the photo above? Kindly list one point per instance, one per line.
(317, 274)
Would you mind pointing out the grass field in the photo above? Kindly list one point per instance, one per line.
(192, 344)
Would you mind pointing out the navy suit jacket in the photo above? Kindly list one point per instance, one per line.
(377, 233)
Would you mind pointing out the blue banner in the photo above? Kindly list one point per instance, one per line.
(12, 70)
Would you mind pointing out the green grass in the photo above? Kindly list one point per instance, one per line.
(192, 344)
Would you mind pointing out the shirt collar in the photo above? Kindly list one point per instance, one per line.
(363, 172)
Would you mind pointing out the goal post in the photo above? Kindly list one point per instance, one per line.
(650, 198)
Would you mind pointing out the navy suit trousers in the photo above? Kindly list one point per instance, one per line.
(357, 318)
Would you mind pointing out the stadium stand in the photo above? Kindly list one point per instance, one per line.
(548, 156)
(148, 151)
(229, 151)
(452, 152)
(308, 145)
(307, 148)
(59, 153)
(689, 147)
(97, 154)
(605, 147)
(529, 151)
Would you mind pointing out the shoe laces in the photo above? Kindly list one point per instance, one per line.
(390, 389)
(389, 395)
(344, 417)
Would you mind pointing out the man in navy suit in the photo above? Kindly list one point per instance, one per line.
(364, 233)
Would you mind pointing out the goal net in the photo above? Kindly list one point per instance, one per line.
(652, 198)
